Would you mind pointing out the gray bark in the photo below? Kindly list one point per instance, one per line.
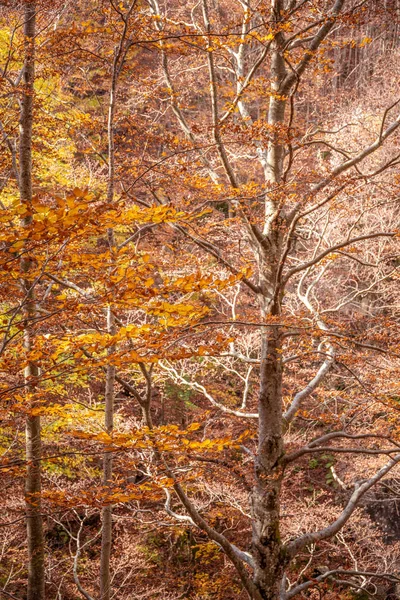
(106, 517)
(34, 523)
(267, 548)
(106, 540)
(271, 245)
(270, 555)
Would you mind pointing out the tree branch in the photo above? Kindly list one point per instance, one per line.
(322, 255)
(200, 388)
(237, 557)
(360, 489)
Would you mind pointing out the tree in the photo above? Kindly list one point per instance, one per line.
(282, 50)
(210, 261)
(33, 437)
(118, 61)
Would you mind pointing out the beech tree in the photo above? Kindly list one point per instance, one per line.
(33, 437)
(199, 232)
(269, 211)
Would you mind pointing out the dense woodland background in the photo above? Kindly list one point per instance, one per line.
(199, 299)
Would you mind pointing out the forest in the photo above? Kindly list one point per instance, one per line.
(199, 299)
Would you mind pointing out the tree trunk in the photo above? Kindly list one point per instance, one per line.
(266, 541)
(33, 439)
(106, 539)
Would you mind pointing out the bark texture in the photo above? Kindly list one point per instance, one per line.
(106, 540)
(34, 522)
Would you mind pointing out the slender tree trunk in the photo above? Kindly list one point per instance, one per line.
(109, 397)
(33, 439)
(106, 540)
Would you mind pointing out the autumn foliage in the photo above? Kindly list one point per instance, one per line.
(199, 317)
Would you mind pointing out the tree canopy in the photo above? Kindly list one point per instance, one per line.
(199, 316)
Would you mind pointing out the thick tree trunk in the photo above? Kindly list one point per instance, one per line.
(266, 541)
(33, 440)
